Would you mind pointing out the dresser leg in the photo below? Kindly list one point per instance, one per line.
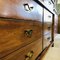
(53, 45)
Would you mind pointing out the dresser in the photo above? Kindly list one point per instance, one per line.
(21, 31)
(26, 28)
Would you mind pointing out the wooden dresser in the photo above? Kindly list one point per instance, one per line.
(20, 30)
(25, 29)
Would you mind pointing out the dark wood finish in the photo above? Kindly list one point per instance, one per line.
(13, 36)
(14, 33)
(36, 47)
(20, 36)
(19, 9)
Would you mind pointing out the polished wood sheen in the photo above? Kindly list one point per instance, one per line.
(20, 54)
(25, 28)
(47, 36)
(17, 9)
(13, 36)
(47, 40)
(47, 28)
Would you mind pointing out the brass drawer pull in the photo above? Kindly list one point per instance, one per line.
(29, 55)
(49, 28)
(27, 7)
(49, 16)
(28, 33)
(48, 38)
(49, 2)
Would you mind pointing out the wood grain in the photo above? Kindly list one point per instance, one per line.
(12, 35)
(15, 9)
(36, 47)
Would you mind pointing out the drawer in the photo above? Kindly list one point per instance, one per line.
(49, 4)
(47, 21)
(29, 52)
(47, 16)
(47, 28)
(46, 40)
(29, 9)
(16, 34)
(19, 9)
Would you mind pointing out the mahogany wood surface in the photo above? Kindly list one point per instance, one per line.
(17, 9)
(13, 37)
(20, 54)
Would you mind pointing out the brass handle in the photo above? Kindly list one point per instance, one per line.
(49, 2)
(29, 55)
(28, 33)
(27, 7)
(48, 38)
(49, 16)
(49, 28)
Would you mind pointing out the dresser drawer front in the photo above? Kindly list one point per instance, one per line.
(46, 41)
(47, 22)
(23, 53)
(47, 16)
(15, 34)
(26, 9)
(47, 28)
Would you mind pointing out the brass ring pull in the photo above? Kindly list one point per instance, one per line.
(49, 16)
(28, 33)
(27, 7)
(29, 55)
(49, 28)
(49, 2)
(48, 38)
